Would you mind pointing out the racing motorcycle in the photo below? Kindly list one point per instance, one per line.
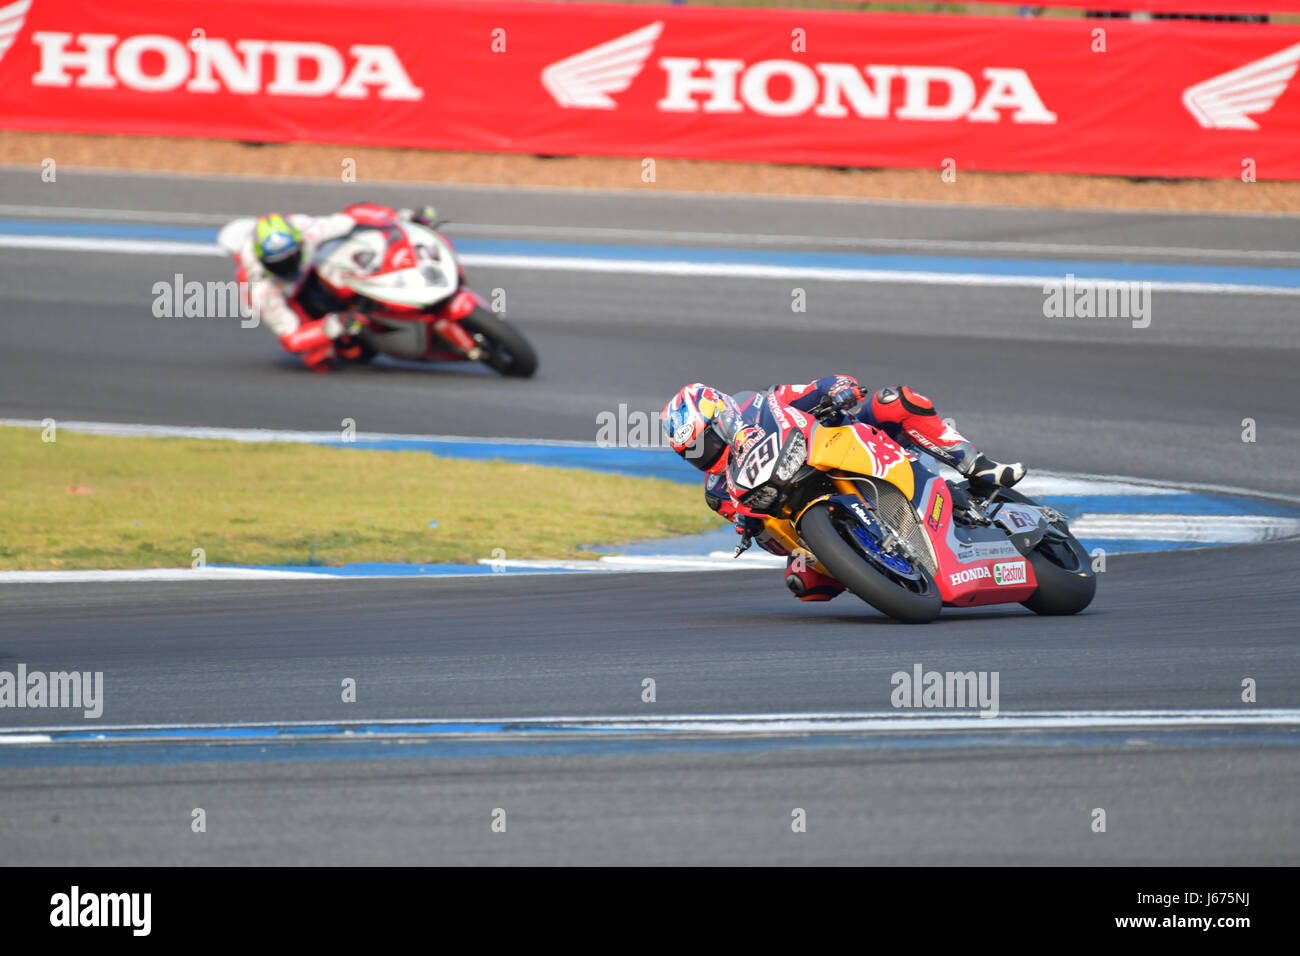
(403, 287)
(890, 528)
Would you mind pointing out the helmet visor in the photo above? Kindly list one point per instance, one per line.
(285, 267)
(705, 451)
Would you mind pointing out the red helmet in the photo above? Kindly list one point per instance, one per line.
(698, 422)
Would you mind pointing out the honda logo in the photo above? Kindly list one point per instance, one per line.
(11, 21)
(586, 80)
(210, 65)
(1225, 101)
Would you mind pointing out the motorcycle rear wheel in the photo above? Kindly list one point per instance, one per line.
(1066, 582)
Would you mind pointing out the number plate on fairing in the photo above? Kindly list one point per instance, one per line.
(757, 466)
(1017, 518)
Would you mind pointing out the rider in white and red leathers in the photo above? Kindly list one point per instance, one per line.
(699, 423)
(275, 262)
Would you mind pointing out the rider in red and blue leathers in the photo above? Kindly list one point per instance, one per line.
(698, 418)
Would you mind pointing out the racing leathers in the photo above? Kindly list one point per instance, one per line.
(906, 416)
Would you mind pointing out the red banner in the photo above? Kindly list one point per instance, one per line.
(1193, 7)
(837, 88)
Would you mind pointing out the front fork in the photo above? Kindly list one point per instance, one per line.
(447, 325)
(886, 539)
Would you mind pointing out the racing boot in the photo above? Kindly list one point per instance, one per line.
(311, 342)
(807, 584)
(985, 474)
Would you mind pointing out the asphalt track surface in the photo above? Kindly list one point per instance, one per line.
(1167, 630)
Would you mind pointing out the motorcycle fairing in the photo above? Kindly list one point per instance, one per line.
(973, 559)
(756, 446)
(402, 267)
(1024, 524)
(858, 449)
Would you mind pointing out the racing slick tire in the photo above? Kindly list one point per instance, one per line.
(848, 566)
(507, 351)
(1066, 582)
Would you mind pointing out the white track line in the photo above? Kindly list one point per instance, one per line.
(896, 721)
(681, 269)
(333, 575)
(730, 239)
(1208, 529)
(129, 246)
(20, 211)
(738, 270)
(292, 436)
(160, 574)
(622, 564)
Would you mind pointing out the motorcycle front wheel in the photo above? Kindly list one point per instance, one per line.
(915, 602)
(505, 350)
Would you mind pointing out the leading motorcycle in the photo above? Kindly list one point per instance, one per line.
(888, 527)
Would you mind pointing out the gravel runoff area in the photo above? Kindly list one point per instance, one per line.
(314, 161)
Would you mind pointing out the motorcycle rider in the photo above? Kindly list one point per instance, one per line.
(700, 423)
(275, 261)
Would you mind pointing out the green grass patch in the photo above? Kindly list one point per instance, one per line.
(94, 501)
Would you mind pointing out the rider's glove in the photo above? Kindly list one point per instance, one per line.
(748, 524)
(845, 393)
(842, 395)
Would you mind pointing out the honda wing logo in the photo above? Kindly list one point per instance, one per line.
(1224, 101)
(11, 21)
(835, 90)
(586, 79)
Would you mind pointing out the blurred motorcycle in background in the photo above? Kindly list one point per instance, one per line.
(401, 287)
